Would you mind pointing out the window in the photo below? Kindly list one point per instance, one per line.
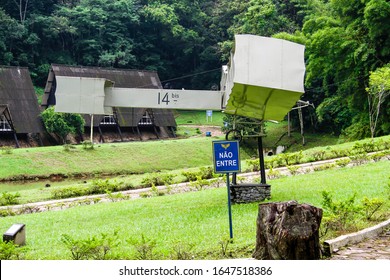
(4, 125)
(145, 120)
(108, 120)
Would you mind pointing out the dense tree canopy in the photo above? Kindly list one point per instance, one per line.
(188, 41)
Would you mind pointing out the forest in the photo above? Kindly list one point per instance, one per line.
(347, 46)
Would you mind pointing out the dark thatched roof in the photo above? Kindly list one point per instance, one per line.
(124, 78)
(17, 93)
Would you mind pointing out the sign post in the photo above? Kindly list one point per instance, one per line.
(226, 155)
(209, 114)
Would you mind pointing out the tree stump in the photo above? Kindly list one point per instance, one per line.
(288, 231)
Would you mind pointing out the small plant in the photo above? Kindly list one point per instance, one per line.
(144, 247)
(339, 214)
(157, 180)
(203, 173)
(371, 206)
(7, 150)
(200, 183)
(68, 192)
(343, 162)
(224, 243)
(115, 196)
(359, 159)
(319, 155)
(9, 198)
(338, 153)
(68, 147)
(10, 251)
(94, 248)
(155, 191)
(254, 164)
(7, 212)
(324, 167)
(293, 169)
(206, 173)
(291, 158)
(88, 145)
(378, 156)
(182, 251)
(273, 174)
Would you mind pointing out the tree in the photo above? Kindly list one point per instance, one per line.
(343, 45)
(62, 124)
(377, 93)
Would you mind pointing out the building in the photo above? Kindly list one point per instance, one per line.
(20, 123)
(125, 123)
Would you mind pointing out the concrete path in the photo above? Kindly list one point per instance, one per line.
(376, 248)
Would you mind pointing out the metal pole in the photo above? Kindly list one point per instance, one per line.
(288, 125)
(229, 207)
(91, 129)
(261, 159)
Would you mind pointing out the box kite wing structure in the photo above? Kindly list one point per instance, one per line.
(263, 80)
(267, 77)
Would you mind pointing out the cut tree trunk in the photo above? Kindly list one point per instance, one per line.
(288, 231)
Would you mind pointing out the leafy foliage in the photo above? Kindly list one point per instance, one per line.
(187, 41)
(62, 124)
(10, 251)
(97, 247)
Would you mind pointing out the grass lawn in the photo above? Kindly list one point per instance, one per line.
(194, 221)
(191, 117)
(111, 158)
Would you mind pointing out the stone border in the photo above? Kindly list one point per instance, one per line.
(331, 246)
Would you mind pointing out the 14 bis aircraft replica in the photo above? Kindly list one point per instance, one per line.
(263, 81)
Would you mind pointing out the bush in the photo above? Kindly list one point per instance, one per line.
(144, 247)
(359, 159)
(68, 147)
(293, 169)
(379, 155)
(291, 158)
(203, 173)
(371, 206)
(318, 155)
(157, 180)
(7, 150)
(199, 183)
(339, 214)
(9, 198)
(68, 192)
(11, 251)
(103, 186)
(7, 212)
(87, 145)
(254, 164)
(343, 162)
(274, 174)
(97, 247)
(324, 167)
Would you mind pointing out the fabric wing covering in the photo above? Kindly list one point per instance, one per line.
(268, 77)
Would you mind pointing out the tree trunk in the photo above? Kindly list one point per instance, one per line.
(288, 231)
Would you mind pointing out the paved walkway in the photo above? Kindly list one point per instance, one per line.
(377, 248)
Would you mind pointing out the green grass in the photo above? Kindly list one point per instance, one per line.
(187, 117)
(109, 159)
(118, 158)
(196, 218)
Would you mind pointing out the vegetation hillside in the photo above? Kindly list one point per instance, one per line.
(186, 42)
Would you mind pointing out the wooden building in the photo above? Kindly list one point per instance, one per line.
(138, 121)
(20, 122)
